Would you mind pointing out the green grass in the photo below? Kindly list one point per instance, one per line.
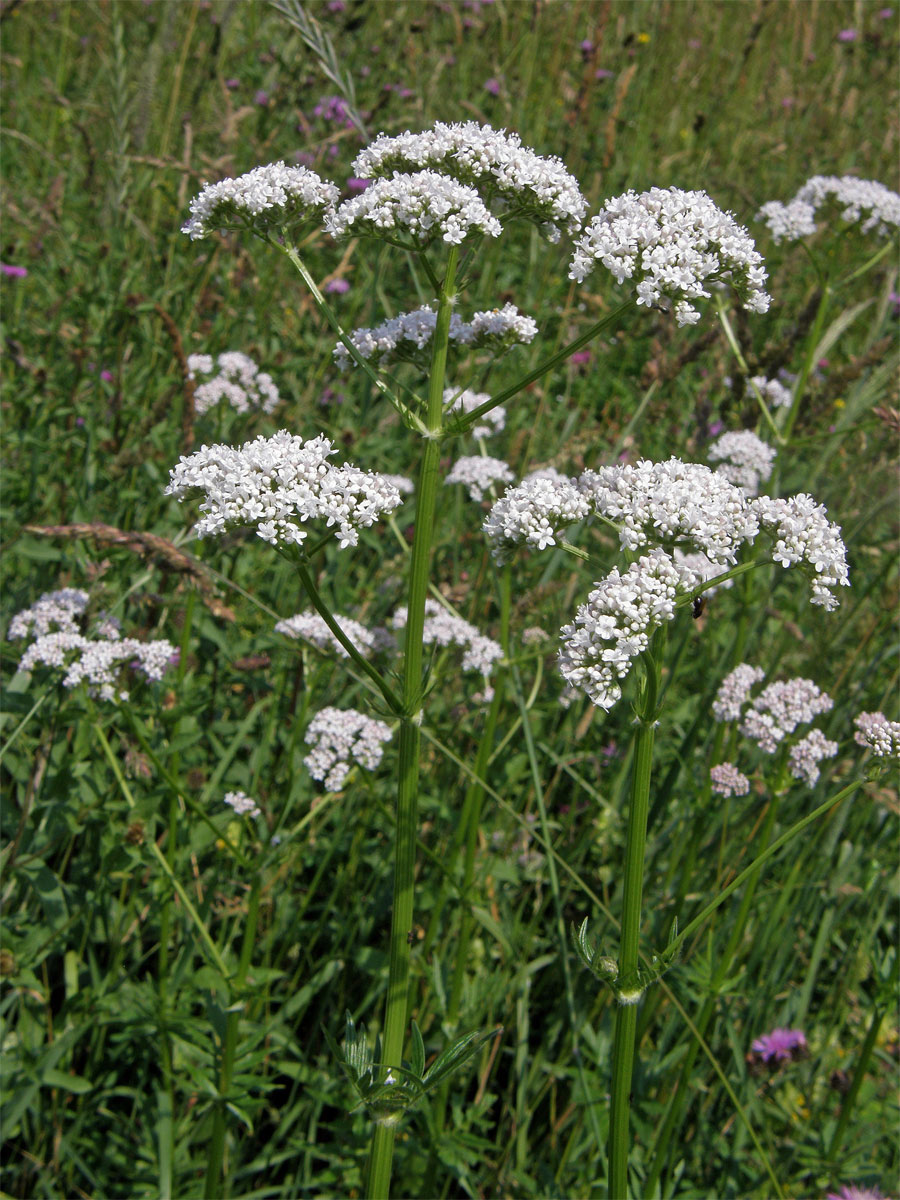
(114, 1009)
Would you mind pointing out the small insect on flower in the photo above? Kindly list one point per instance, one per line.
(698, 608)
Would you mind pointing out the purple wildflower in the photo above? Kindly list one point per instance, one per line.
(231, 84)
(337, 286)
(852, 1192)
(885, 13)
(847, 35)
(493, 86)
(602, 73)
(357, 185)
(580, 358)
(261, 98)
(780, 1044)
(107, 376)
(13, 272)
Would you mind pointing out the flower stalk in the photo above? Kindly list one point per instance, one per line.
(628, 960)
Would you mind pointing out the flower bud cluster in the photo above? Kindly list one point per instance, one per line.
(493, 161)
(780, 708)
(746, 459)
(727, 780)
(272, 197)
(242, 803)
(806, 755)
(534, 513)
(479, 473)
(413, 210)
(97, 662)
(878, 734)
(866, 201)
(312, 628)
(340, 738)
(674, 244)
(734, 691)
(407, 337)
(614, 626)
(773, 391)
(442, 628)
(236, 379)
(54, 612)
(277, 485)
(465, 401)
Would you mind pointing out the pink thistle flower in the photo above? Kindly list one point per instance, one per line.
(780, 1045)
(13, 272)
(847, 35)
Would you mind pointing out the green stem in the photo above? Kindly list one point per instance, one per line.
(215, 1183)
(364, 665)
(627, 981)
(411, 720)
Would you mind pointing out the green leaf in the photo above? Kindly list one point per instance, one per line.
(418, 1052)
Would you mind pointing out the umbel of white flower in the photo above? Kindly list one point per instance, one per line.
(279, 484)
(493, 162)
(860, 201)
(674, 245)
(479, 473)
(340, 738)
(234, 379)
(659, 508)
(407, 337)
(270, 197)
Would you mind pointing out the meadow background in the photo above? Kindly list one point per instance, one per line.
(113, 116)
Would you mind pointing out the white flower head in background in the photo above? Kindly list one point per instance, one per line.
(98, 662)
(746, 460)
(338, 739)
(479, 473)
(236, 380)
(310, 627)
(242, 804)
(54, 612)
(674, 245)
(494, 162)
(279, 484)
(408, 337)
(773, 391)
(466, 400)
(727, 780)
(875, 208)
(442, 628)
(270, 198)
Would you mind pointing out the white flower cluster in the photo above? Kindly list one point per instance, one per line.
(54, 612)
(614, 626)
(727, 780)
(465, 401)
(402, 483)
(312, 628)
(674, 244)
(772, 391)
(96, 662)
(535, 513)
(407, 337)
(492, 160)
(672, 502)
(278, 484)
(876, 732)
(413, 210)
(271, 197)
(780, 708)
(863, 200)
(806, 755)
(746, 459)
(788, 222)
(803, 535)
(236, 379)
(340, 738)
(734, 691)
(479, 473)
(442, 628)
(242, 803)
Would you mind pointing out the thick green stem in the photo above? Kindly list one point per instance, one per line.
(215, 1184)
(627, 980)
(411, 720)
